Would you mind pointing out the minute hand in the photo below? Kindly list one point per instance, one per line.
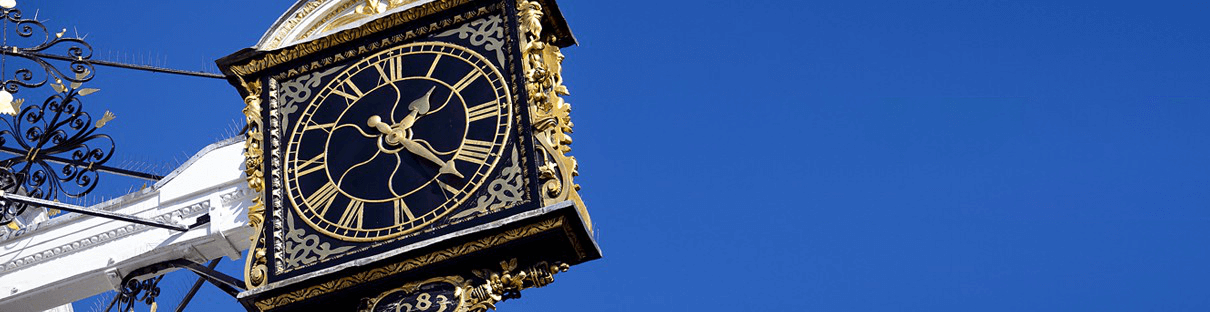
(423, 152)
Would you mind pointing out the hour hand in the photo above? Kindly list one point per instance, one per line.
(421, 105)
(392, 136)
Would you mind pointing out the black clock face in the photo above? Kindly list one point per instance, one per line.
(397, 141)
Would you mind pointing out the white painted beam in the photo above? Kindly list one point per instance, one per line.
(72, 257)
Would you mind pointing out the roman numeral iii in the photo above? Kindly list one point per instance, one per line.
(474, 151)
(482, 111)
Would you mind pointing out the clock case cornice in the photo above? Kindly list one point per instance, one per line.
(301, 22)
(251, 63)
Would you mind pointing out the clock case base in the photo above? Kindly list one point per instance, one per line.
(552, 234)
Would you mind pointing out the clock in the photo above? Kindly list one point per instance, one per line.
(396, 141)
(403, 143)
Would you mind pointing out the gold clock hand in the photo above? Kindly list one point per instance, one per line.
(396, 137)
(420, 150)
(421, 105)
(397, 134)
(393, 137)
(376, 123)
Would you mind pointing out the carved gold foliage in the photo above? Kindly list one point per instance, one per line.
(255, 269)
(290, 23)
(549, 113)
(509, 282)
(253, 153)
(369, 8)
(407, 265)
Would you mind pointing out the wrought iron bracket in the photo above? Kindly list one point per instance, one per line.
(230, 285)
(132, 286)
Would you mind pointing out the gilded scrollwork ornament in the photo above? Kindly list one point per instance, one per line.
(255, 266)
(550, 115)
(367, 9)
(298, 90)
(458, 294)
(504, 192)
(487, 32)
(302, 249)
(509, 282)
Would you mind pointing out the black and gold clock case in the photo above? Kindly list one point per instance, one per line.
(489, 29)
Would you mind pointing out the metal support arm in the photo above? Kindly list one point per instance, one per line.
(230, 285)
(93, 212)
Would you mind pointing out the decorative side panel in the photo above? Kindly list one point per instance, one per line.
(549, 114)
(254, 266)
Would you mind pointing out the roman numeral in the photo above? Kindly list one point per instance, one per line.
(393, 71)
(474, 151)
(311, 165)
(433, 67)
(402, 212)
(322, 198)
(382, 73)
(353, 214)
(482, 111)
(447, 188)
(466, 81)
(325, 127)
(350, 97)
(357, 91)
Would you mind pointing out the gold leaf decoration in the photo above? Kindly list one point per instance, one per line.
(87, 91)
(549, 114)
(105, 119)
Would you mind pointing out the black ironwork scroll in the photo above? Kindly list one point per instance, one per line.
(56, 150)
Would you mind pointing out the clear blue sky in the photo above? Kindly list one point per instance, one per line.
(813, 155)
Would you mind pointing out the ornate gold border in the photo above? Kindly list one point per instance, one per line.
(375, 46)
(549, 115)
(408, 265)
(278, 57)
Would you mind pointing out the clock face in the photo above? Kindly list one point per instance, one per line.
(397, 141)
